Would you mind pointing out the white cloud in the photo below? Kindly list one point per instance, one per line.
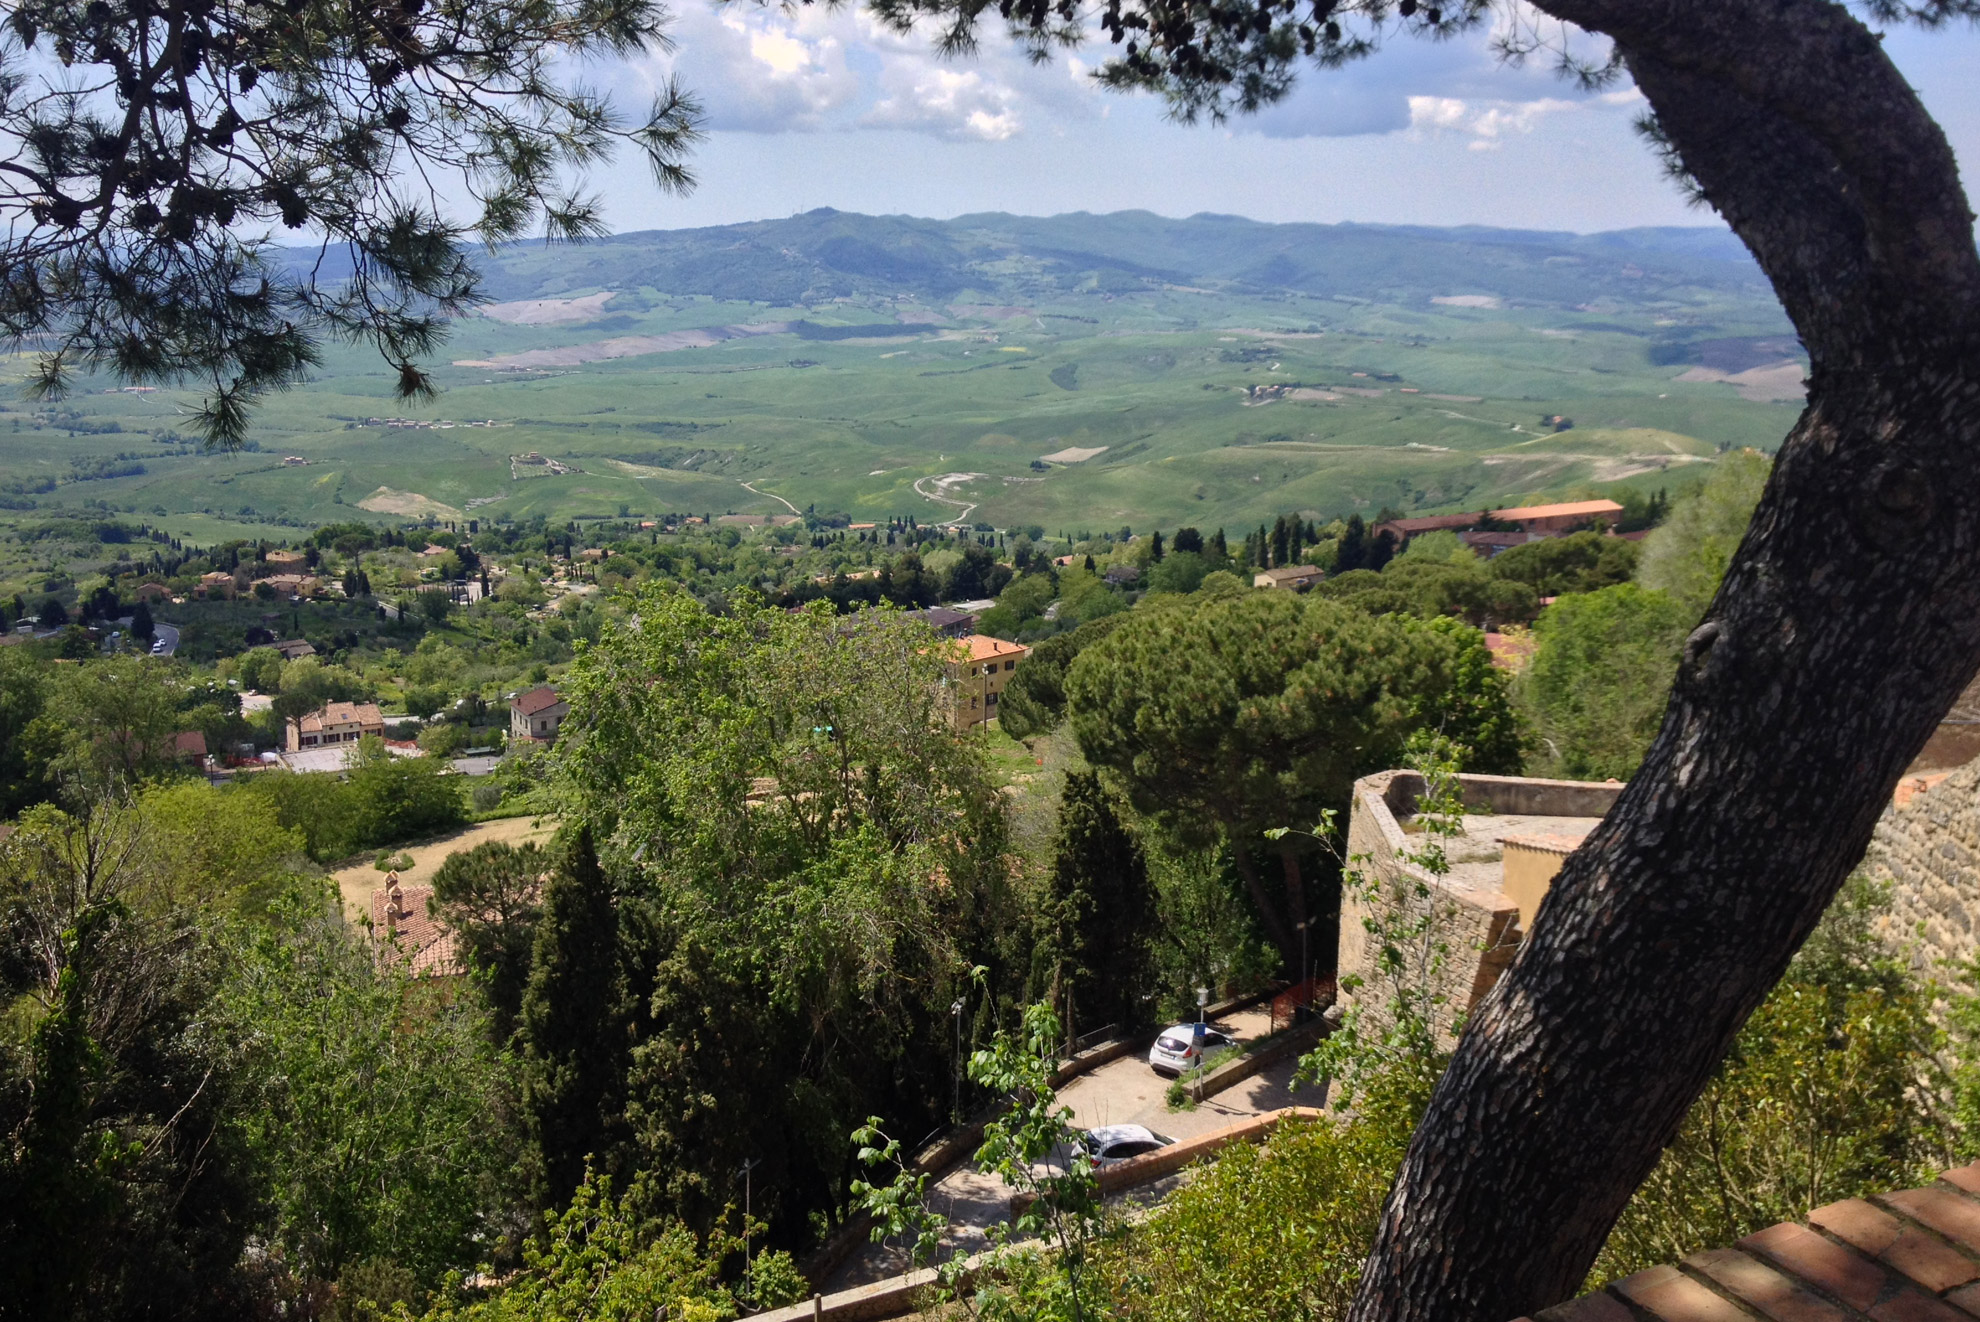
(1488, 123)
(760, 71)
(946, 102)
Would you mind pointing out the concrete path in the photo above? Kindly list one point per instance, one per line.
(1123, 1092)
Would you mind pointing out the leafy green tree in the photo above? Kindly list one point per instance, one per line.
(23, 761)
(443, 738)
(139, 211)
(1179, 571)
(394, 799)
(1595, 691)
(53, 613)
(606, 1259)
(809, 860)
(1023, 601)
(573, 1026)
(1034, 702)
(260, 670)
(1475, 713)
(1579, 562)
(379, 1111)
(1099, 915)
(1687, 556)
(123, 1190)
(114, 719)
(1224, 717)
(425, 700)
(492, 896)
(1034, 1150)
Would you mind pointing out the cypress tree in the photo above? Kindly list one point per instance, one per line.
(1218, 546)
(1101, 909)
(574, 1026)
(1352, 552)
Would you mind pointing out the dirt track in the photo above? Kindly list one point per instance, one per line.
(356, 882)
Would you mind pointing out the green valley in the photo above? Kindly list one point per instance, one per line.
(1072, 373)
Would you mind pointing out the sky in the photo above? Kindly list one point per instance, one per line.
(824, 108)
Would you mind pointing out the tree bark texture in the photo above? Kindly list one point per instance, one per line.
(1847, 624)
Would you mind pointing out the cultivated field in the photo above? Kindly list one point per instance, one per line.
(1066, 402)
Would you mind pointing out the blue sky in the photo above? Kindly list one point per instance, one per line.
(823, 108)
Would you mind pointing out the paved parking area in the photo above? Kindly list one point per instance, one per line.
(1122, 1092)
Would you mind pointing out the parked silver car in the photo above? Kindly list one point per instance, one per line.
(1179, 1049)
(1111, 1143)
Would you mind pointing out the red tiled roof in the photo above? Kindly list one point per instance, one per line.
(342, 713)
(982, 647)
(402, 916)
(1573, 507)
(189, 743)
(540, 698)
(1429, 523)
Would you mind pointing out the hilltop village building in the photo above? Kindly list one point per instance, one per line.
(1511, 527)
(979, 669)
(536, 714)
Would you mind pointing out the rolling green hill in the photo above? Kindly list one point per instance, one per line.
(1073, 371)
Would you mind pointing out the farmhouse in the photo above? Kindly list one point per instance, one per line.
(1510, 527)
(336, 723)
(536, 714)
(1291, 577)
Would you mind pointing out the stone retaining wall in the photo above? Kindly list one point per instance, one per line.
(1930, 848)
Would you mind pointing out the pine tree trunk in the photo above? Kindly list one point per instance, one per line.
(1848, 623)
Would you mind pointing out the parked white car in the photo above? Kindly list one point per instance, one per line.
(1114, 1143)
(1181, 1048)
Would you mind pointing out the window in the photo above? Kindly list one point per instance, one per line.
(1010, 665)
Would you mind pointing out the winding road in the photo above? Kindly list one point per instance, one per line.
(774, 496)
(942, 483)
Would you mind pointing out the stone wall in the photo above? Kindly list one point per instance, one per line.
(1478, 923)
(1930, 848)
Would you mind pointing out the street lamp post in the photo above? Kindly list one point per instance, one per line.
(749, 1281)
(1202, 1002)
(955, 1013)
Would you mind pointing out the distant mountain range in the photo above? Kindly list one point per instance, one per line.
(821, 255)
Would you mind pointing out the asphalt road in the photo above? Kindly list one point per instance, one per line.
(167, 635)
(1123, 1092)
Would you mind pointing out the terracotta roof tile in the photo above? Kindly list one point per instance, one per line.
(982, 647)
(1675, 1297)
(1572, 507)
(1848, 1276)
(1779, 1297)
(1953, 1215)
(1923, 1257)
(537, 699)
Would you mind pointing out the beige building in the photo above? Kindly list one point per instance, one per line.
(1517, 833)
(979, 669)
(336, 723)
(536, 714)
(1291, 577)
